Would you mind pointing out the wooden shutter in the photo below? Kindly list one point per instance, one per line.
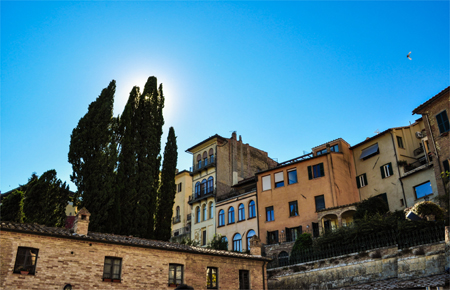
(365, 179)
(391, 171)
(382, 172)
(358, 183)
(300, 230)
(309, 172)
(322, 171)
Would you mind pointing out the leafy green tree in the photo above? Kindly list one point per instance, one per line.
(12, 207)
(303, 242)
(46, 199)
(93, 157)
(166, 194)
(218, 243)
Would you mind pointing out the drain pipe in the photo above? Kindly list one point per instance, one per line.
(398, 169)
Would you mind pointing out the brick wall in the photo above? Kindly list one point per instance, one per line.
(80, 263)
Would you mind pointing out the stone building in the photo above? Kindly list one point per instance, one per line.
(435, 113)
(181, 218)
(219, 163)
(396, 165)
(39, 257)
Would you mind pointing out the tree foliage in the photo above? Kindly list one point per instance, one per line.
(370, 207)
(12, 207)
(303, 242)
(218, 243)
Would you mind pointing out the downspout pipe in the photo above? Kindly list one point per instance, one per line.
(398, 169)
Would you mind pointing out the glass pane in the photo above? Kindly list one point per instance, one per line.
(171, 273)
(423, 190)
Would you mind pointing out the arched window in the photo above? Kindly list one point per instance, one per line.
(211, 210)
(210, 184)
(197, 211)
(250, 234)
(224, 239)
(211, 152)
(283, 259)
(205, 213)
(178, 211)
(197, 189)
(205, 158)
(231, 215)
(237, 243)
(221, 218)
(203, 190)
(251, 209)
(241, 212)
(199, 161)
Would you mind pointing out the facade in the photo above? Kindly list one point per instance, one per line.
(435, 113)
(39, 257)
(181, 218)
(396, 165)
(219, 163)
(291, 195)
(236, 215)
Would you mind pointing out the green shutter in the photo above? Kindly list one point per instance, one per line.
(365, 179)
(382, 172)
(358, 184)
(300, 230)
(309, 172)
(391, 171)
(322, 171)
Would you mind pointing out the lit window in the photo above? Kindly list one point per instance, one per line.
(279, 180)
(361, 180)
(293, 208)
(112, 268)
(211, 278)
(26, 260)
(423, 190)
(269, 214)
(386, 170)
(175, 274)
(292, 176)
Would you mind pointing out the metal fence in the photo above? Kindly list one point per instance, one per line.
(403, 240)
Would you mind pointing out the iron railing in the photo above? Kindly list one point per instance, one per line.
(176, 219)
(418, 151)
(403, 240)
(181, 231)
(205, 163)
(202, 195)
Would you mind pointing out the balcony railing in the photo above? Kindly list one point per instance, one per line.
(411, 166)
(418, 151)
(176, 219)
(202, 195)
(205, 163)
(181, 232)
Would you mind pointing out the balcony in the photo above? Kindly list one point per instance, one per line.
(178, 235)
(418, 151)
(176, 219)
(204, 164)
(204, 193)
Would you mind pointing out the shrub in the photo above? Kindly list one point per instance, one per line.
(303, 242)
(428, 208)
(371, 207)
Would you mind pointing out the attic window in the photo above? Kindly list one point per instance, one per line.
(369, 152)
(83, 216)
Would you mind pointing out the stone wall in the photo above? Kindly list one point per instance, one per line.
(80, 263)
(364, 267)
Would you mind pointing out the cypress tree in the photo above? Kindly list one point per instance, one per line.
(166, 194)
(93, 160)
(12, 207)
(46, 199)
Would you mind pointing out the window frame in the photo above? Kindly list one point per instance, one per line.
(174, 283)
(231, 219)
(386, 170)
(205, 212)
(237, 242)
(209, 274)
(293, 208)
(221, 218)
(249, 237)
(204, 237)
(211, 210)
(276, 176)
(315, 200)
(361, 180)
(111, 277)
(289, 176)
(241, 212)
(198, 215)
(316, 171)
(443, 124)
(266, 181)
(423, 183)
(251, 209)
(244, 280)
(270, 214)
(400, 142)
(25, 253)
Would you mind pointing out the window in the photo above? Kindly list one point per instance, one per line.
(241, 212)
(272, 237)
(293, 233)
(198, 214)
(204, 238)
(369, 152)
(251, 209)
(446, 166)
(175, 274)
(400, 142)
(250, 234)
(383, 196)
(266, 183)
(279, 180)
(361, 180)
(315, 227)
(205, 213)
(269, 214)
(321, 152)
(237, 243)
(211, 278)
(112, 268)
(224, 239)
(197, 189)
(221, 218)
(442, 120)
(423, 190)
(244, 280)
(334, 148)
(320, 202)
(203, 191)
(231, 215)
(179, 187)
(26, 260)
(205, 158)
(199, 161)
(178, 211)
(292, 176)
(211, 210)
(316, 171)
(293, 208)
(386, 170)
(210, 185)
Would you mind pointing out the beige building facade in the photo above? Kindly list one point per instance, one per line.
(181, 218)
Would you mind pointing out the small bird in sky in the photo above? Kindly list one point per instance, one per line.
(409, 55)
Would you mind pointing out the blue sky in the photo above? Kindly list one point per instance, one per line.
(287, 76)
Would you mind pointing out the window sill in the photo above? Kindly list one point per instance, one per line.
(230, 223)
(251, 217)
(444, 134)
(425, 196)
(241, 221)
(269, 221)
(293, 183)
(293, 216)
(173, 285)
(112, 280)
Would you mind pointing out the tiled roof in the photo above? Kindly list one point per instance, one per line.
(443, 92)
(119, 239)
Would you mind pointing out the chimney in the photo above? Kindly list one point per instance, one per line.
(255, 246)
(81, 224)
(233, 135)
